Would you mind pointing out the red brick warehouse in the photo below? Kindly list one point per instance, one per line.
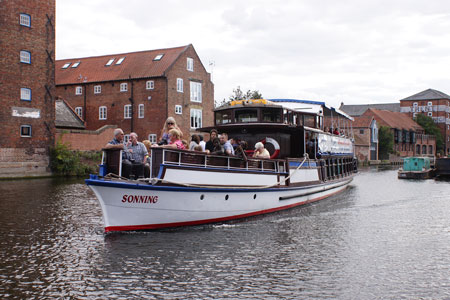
(137, 91)
(27, 86)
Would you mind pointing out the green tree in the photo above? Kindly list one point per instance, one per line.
(431, 128)
(238, 94)
(385, 142)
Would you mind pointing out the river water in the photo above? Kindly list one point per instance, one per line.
(382, 238)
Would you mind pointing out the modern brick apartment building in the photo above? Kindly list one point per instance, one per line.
(434, 104)
(137, 91)
(27, 39)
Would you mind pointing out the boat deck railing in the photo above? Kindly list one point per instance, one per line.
(203, 160)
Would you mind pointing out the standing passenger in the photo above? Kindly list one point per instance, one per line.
(226, 144)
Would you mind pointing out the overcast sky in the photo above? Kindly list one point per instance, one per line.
(351, 51)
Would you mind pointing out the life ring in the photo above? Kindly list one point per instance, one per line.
(274, 144)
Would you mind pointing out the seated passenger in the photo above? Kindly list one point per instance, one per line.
(138, 154)
(240, 150)
(260, 151)
(175, 140)
(217, 147)
(195, 141)
(168, 125)
(226, 144)
(202, 143)
(209, 144)
(117, 143)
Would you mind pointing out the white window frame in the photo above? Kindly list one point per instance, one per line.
(190, 64)
(430, 113)
(178, 109)
(150, 85)
(415, 104)
(65, 66)
(127, 111)
(110, 62)
(430, 103)
(124, 87)
(102, 113)
(25, 135)
(126, 138)
(25, 20)
(180, 85)
(97, 89)
(141, 111)
(120, 60)
(76, 64)
(25, 57)
(196, 118)
(79, 111)
(158, 57)
(78, 90)
(25, 94)
(196, 91)
(152, 137)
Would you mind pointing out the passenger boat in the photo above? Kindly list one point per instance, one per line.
(416, 168)
(307, 164)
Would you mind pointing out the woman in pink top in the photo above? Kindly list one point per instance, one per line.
(175, 140)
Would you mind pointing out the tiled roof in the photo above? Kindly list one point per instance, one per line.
(395, 120)
(362, 122)
(65, 117)
(135, 65)
(429, 94)
(358, 110)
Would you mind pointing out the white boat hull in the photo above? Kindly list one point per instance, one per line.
(130, 206)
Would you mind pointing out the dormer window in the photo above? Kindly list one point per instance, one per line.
(158, 57)
(76, 64)
(66, 65)
(120, 60)
(110, 62)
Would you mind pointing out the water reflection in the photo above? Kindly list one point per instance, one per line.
(380, 239)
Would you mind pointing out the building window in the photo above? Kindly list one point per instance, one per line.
(196, 118)
(430, 114)
(25, 20)
(158, 57)
(430, 103)
(196, 91)
(102, 113)
(178, 109)
(127, 111)
(124, 87)
(430, 149)
(361, 131)
(79, 111)
(25, 57)
(97, 89)
(141, 111)
(120, 60)
(25, 94)
(152, 138)
(25, 130)
(190, 64)
(180, 85)
(126, 138)
(78, 90)
(65, 66)
(110, 62)
(76, 64)
(150, 85)
(415, 104)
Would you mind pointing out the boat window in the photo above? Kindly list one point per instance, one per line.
(246, 115)
(223, 117)
(271, 115)
(309, 121)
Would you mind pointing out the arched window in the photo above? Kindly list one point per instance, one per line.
(424, 149)
(430, 149)
(417, 149)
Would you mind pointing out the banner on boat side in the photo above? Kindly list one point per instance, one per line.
(334, 144)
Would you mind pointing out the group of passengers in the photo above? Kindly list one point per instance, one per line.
(136, 155)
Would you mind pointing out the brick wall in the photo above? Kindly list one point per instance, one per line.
(38, 76)
(86, 140)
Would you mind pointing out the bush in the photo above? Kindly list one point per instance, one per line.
(64, 161)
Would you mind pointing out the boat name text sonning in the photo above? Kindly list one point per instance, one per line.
(139, 199)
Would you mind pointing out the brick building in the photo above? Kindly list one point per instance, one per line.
(409, 137)
(365, 132)
(27, 38)
(434, 104)
(137, 91)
